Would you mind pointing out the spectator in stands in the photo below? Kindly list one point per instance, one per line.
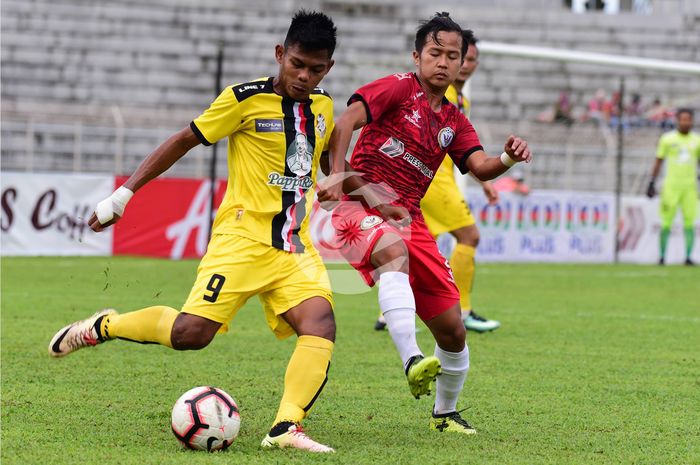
(634, 112)
(660, 115)
(512, 181)
(611, 109)
(562, 110)
(596, 110)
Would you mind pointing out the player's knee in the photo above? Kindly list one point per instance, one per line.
(454, 339)
(191, 333)
(390, 254)
(474, 238)
(468, 235)
(320, 324)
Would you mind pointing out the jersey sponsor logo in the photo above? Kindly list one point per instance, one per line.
(249, 89)
(299, 155)
(319, 90)
(445, 137)
(370, 222)
(290, 183)
(392, 147)
(427, 172)
(321, 125)
(246, 87)
(269, 125)
(418, 95)
(402, 76)
(414, 118)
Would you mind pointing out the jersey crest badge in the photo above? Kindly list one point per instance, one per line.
(370, 222)
(445, 137)
(321, 126)
(299, 155)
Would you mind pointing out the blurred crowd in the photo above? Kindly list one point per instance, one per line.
(604, 109)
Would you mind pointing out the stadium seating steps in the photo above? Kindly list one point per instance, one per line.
(65, 61)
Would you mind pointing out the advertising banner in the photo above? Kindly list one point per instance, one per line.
(47, 214)
(545, 226)
(640, 225)
(168, 218)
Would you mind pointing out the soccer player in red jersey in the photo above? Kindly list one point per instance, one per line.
(408, 127)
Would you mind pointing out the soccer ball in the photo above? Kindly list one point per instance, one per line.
(206, 418)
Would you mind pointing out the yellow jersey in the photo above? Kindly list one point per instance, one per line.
(456, 98)
(274, 147)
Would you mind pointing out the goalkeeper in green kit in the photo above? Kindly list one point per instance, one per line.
(682, 150)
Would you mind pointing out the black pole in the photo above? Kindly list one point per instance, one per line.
(618, 168)
(212, 164)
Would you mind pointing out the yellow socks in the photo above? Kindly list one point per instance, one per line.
(462, 263)
(307, 373)
(148, 325)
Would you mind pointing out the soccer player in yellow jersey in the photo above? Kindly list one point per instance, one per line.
(681, 149)
(445, 210)
(277, 129)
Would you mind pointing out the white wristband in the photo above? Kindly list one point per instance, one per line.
(114, 204)
(506, 160)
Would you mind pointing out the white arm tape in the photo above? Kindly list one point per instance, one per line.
(115, 203)
(506, 160)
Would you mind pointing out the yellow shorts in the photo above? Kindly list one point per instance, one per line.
(236, 268)
(444, 207)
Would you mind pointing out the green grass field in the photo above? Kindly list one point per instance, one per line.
(593, 364)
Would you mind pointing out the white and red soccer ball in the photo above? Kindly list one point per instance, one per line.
(206, 418)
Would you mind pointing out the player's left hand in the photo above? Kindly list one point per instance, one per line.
(395, 215)
(330, 192)
(490, 192)
(517, 149)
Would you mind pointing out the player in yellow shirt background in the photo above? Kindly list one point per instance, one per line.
(277, 130)
(681, 149)
(446, 211)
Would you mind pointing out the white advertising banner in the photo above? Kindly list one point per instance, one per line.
(47, 214)
(639, 233)
(545, 226)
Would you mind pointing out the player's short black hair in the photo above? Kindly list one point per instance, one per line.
(470, 39)
(685, 110)
(430, 29)
(311, 31)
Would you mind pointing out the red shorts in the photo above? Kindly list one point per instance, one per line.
(357, 231)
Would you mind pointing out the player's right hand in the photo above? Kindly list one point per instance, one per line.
(651, 190)
(517, 149)
(96, 226)
(110, 210)
(330, 191)
(395, 215)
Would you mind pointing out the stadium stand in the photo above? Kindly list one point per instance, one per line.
(93, 86)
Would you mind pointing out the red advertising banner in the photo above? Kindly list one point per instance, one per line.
(167, 218)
